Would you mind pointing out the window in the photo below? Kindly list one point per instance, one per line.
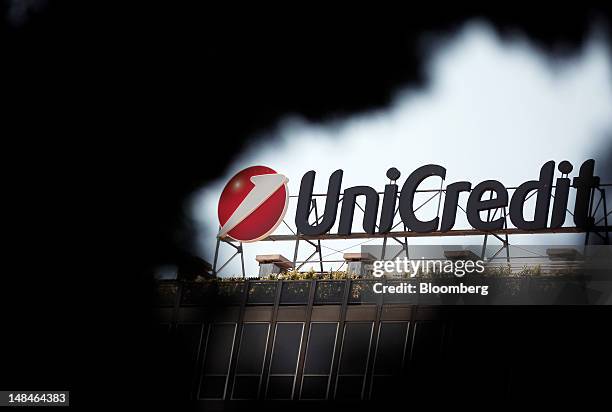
(391, 346)
(318, 362)
(283, 366)
(389, 359)
(188, 336)
(250, 360)
(354, 360)
(218, 352)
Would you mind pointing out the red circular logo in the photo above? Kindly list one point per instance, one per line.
(253, 204)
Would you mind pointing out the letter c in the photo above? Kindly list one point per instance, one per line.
(406, 204)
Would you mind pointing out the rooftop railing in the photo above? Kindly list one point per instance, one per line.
(542, 289)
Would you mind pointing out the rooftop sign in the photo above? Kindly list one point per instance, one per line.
(254, 202)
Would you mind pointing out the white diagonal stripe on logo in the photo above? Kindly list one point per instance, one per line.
(265, 186)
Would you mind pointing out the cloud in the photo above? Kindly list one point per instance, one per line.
(493, 109)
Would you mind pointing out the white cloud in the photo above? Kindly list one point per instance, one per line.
(492, 110)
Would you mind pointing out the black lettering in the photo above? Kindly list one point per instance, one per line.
(406, 205)
(450, 204)
(584, 183)
(476, 205)
(348, 209)
(544, 187)
(331, 204)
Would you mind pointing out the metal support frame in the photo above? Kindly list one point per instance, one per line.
(600, 228)
(603, 232)
(317, 246)
(239, 251)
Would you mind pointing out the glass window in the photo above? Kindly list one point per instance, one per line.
(314, 387)
(250, 360)
(218, 352)
(252, 348)
(212, 387)
(280, 387)
(286, 348)
(387, 377)
(354, 360)
(320, 349)
(355, 348)
(391, 348)
(319, 357)
(349, 387)
(287, 342)
(246, 387)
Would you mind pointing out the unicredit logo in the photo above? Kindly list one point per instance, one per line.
(253, 204)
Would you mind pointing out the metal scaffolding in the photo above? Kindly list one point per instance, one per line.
(598, 211)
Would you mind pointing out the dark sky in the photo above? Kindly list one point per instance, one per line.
(114, 113)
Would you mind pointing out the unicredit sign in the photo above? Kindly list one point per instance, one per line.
(254, 202)
(583, 183)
